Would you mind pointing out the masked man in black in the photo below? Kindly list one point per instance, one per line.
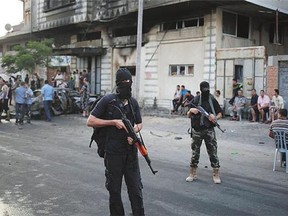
(203, 128)
(121, 156)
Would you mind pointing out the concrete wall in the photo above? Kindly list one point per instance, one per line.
(259, 36)
(252, 59)
(276, 80)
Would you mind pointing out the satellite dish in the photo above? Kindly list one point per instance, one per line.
(8, 27)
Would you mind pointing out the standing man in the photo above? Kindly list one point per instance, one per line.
(4, 97)
(28, 102)
(20, 94)
(121, 156)
(85, 95)
(14, 87)
(236, 87)
(203, 128)
(59, 78)
(47, 93)
(253, 108)
(263, 105)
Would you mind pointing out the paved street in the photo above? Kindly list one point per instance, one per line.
(48, 169)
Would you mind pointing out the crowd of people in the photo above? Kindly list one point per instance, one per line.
(20, 91)
(22, 96)
(261, 108)
(182, 99)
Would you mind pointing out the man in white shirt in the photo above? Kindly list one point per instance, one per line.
(263, 105)
(277, 103)
(59, 78)
(176, 98)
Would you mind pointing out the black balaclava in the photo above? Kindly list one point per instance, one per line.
(124, 90)
(205, 90)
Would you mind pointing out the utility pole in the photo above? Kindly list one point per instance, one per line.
(277, 30)
(139, 47)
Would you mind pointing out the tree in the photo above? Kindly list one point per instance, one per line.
(35, 53)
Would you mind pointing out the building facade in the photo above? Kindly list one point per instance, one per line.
(184, 42)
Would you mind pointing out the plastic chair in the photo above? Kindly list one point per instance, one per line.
(281, 141)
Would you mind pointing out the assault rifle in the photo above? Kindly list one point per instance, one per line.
(206, 114)
(136, 140)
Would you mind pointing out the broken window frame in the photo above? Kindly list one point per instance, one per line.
(50, 5)
(180, 24)
(273, 35)
(181, 70)
(236, 27)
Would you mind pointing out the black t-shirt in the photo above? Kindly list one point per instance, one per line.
(195, 119)
(117, 138)
(254, 100)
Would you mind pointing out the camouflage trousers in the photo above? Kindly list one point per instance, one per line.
(209, 137)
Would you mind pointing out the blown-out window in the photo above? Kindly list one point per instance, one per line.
(181, 70)
(55, 4)
(237, 25)
(180, 24)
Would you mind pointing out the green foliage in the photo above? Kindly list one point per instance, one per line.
(28, 57)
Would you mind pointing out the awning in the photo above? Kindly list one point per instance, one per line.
(281, 6)
(80, 51)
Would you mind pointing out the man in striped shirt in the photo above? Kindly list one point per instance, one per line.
(281, 122)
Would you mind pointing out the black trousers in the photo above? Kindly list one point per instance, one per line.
(126, 165)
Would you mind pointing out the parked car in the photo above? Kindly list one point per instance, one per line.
(64, 101)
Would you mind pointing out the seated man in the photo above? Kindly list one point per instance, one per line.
(188, 98)
(253, 108)
(281, 122)
(181, 99)
(185, 104)
(220, 100)
(238, 106)
(263, 105)
(177, 95)
(277, 103)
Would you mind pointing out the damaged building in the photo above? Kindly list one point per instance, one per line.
(184, 42)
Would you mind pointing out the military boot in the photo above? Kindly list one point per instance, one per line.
(192, 176)
(216, 176)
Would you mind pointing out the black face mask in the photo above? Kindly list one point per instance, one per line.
(205, 95)
(124, 90)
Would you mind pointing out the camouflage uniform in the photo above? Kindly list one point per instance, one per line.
(211, 145)
(203, 129)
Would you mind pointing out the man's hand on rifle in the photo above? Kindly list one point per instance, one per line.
(119, 124)
(130, 140)
(192, 111)
(137, 127)
(212, 118)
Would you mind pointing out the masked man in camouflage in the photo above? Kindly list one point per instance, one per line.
(203, 129)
